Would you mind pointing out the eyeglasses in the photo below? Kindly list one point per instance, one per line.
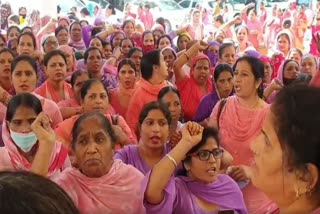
(51, 43)
(204, 155)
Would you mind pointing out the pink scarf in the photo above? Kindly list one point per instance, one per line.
(69, 50)
(118, 191)
(10, 154)
(46, 90)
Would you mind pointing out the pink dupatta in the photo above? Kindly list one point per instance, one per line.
(10, 157)
(47, 91)
(119, 191)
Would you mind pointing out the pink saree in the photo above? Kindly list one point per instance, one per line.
(119, 191)
(10, 157)
(239, 126)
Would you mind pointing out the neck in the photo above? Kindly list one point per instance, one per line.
(155, 80)
(150, 154)
(6, 84)
(96, 75)
(249, 102)
(56, 85)
(242, 45)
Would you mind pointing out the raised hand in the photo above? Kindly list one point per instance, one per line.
(42, 129)
(192, 133)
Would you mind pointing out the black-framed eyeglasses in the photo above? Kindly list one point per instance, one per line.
(204, 155)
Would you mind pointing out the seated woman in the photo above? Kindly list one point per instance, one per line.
(71, 59)
(120, 97)
(94, 97)
(24, 79)
(29, 139)
(73, 107)
(100, 184)
(55, 88)
(49, 43)
(199, 84)
(154, 121)
(223, 84)
(6, 57)
(290, 135)
(19, 188)
(199, 187)
(154, 72)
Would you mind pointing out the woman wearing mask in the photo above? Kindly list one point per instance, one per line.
(213, 52)
(29, 139)
(239, 121)
(148, 43)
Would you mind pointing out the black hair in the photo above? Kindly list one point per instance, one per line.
(242, 26)
(7, 50)
(164, 36)
(296, 118)
(218, 18)
(14, 18)
(133, 50)
(222, 67)
(127, 38)
(24, 58)
(83, 21)
(51, 54)
(104, 122)
(72, 24)
(88, 84)
(162, 22)
(26, 28)
(206, 134)
(87, 52)
(24, 99)
(32, 37)
(58, 29)
(287, 23)
(148, 61)
(126, 61)
(222, 47)
(126, 22)
(75, 76)
(11, 28)
(95, 31)
(257, 68)
(21, 189)
(111, 7)
(97, 37)
(85, 11)
(166, 90)
(180, 37)
(154, 106)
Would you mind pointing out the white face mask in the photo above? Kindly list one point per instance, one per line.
(25, 141)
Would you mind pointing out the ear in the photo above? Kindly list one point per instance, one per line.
(307, 178)
(312, 176)
(258, 83)
(186, 165)
(155, 68)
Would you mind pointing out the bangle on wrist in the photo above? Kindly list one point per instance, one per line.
(172, 160)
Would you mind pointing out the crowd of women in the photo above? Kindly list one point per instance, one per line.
(127, 120)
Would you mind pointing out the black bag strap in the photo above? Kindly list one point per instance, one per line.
(221, 105)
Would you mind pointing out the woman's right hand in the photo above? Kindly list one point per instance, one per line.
(192, 133)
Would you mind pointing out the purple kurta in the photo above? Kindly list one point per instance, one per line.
(181, 193)
(130, 155)
(206, 106)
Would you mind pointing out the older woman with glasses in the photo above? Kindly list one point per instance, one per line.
(198, 187)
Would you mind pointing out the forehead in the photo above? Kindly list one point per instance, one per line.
(291, 63)
(202, 62)
(91, 125)
(94, 52)
(155, 114)
(56, 58)
(23, 112)
(210, 144)
(167, 52)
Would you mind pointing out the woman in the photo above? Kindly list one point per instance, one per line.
(169, 55)
(183, 40)
(309, 65)
(49, 43)
(25, 187)
(73, 107)
(268, 70)
(98, 176)
(170, 96)
(94, 62)
(6, 57)
(55, 88)
(284, 42)
(295, 108)
(222, 77)
(154, 122)
(199, 84)
(136, 54)
(120, 97)
(154, 72)
(116, 38)
(199, 187)
(94, 97)
(13, 32)
(3, 42)
(242, 33)
(196, 26)
(76, 40)
(213, 52)
(29, 139)
(62, 35)
(27, 45)
(227, 54)
(70, 57)
(239, 122)
(148, 43)
(296, 54)
(164, 41)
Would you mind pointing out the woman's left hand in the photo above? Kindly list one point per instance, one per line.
(240, 173)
